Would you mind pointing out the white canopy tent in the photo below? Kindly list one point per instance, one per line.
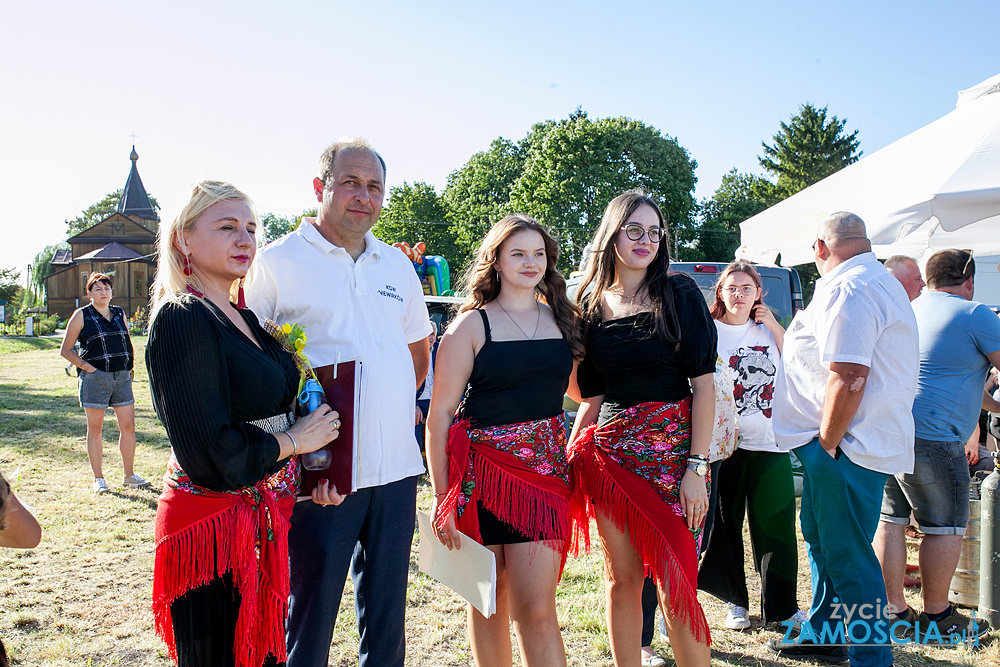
(938, 187)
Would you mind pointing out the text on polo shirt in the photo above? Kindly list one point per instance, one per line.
(390, 292)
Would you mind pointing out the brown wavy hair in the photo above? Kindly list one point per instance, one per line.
(600, 272)
(718, 308)
(482, 284)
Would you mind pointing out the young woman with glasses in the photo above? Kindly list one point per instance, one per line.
(640, 442)
(499, 467)
(756, 481)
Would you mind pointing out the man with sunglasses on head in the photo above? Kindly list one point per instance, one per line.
(959, 341)
(842, 402)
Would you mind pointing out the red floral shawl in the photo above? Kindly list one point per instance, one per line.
(518, 471)
(630, 469)
(202, 534)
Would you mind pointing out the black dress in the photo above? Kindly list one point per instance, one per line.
(207, 381)
(514, 381)
(629, 364)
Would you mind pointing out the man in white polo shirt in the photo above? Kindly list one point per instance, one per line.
(842, 401)
(357, 298)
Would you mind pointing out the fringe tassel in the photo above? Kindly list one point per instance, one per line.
(538, 514)
(207, 550)
(597, 489)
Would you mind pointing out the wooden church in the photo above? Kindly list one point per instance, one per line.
(123, 245)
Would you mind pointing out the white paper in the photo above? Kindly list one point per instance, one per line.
(470, 571)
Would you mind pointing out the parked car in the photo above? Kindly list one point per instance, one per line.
(782, 287)
(442, 309)
(782, 294)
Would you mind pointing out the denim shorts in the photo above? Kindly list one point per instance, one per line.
(102, 389)
(937, 491)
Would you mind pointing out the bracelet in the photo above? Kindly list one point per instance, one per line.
(698, 457)
(443, 493)
(294, 446)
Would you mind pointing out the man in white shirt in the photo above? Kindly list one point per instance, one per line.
(842, 401)
(357, 298)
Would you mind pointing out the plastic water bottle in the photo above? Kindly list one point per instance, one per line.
(310, 399)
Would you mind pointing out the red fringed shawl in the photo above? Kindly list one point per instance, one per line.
(202, 534)
(630, 470)
(518, 471)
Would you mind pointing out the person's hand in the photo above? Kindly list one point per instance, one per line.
(419, 417)
(694, 498)
(325, 493)
(450, 535)
(972, 452)
(315, 429)
(762, 315)
(90, 368)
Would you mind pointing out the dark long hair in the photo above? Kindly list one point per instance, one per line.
(718, 308)
(600, 272)
(482, 284)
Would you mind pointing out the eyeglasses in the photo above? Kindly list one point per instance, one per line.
(636, 232)
(816, 243)
(968, 261)
(745, 290)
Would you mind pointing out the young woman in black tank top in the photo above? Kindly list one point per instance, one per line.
(498, 466)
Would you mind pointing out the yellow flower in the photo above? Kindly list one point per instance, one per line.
(299, 345)
(286, 328)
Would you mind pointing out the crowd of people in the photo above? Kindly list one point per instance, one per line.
(876, 397)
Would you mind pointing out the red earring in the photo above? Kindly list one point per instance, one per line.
(241, 300)
(187, 278)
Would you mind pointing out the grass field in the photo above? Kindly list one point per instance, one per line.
(82, 597)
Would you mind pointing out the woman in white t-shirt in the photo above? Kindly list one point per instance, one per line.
(756, 481)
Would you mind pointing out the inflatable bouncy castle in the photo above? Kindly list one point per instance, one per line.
(431, 269)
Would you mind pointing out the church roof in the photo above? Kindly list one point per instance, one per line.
(111, 252)
(63, 257)
(134, 199)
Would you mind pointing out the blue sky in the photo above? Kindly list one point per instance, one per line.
(253, 91)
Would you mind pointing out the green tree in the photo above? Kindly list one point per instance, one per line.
(94, 213)
(717, 235)
(415, 213)
(9, 286)
(275, 226)
(564, 173)
(478, 194)
(41, 268)
(576, 166)
(808, 148)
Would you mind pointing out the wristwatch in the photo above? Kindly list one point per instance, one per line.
(698, 465)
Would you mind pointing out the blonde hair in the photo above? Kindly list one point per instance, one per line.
(171, 283)
(483, 285)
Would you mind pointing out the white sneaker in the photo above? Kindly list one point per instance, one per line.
(737, 618)
(797, 619)
(651, 659)
(133, 481)
(100, 486)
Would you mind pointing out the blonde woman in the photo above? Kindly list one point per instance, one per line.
(223, 388)
(499, 469)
